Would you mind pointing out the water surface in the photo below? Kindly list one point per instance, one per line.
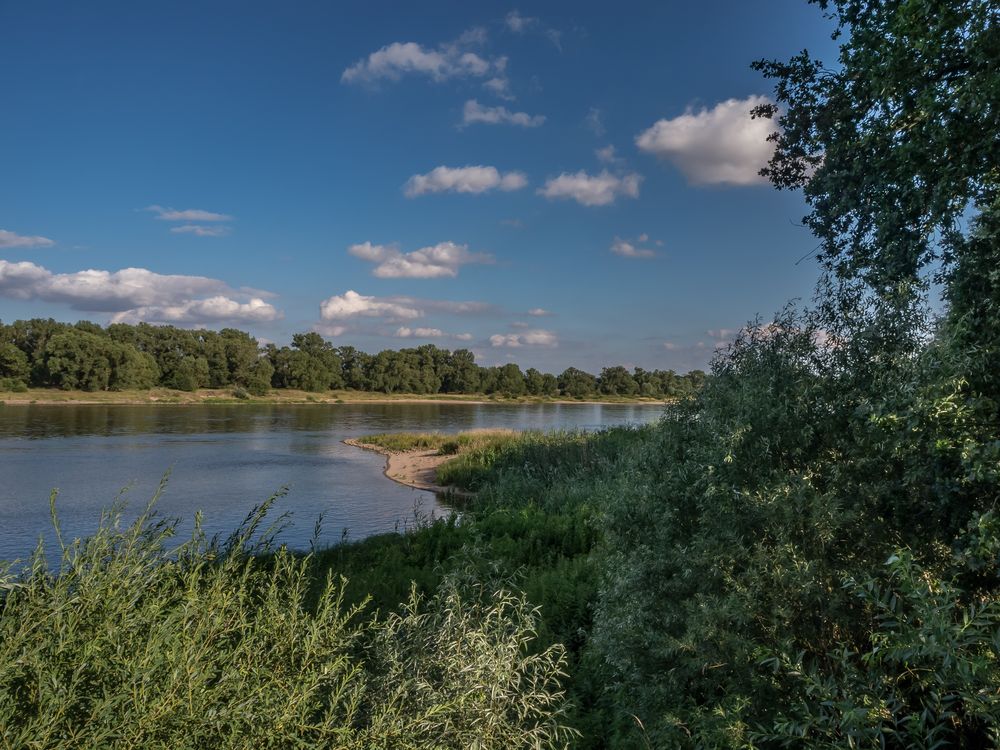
(224, 459)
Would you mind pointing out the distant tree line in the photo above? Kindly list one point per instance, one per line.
(44, 353)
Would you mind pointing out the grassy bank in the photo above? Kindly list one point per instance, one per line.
(282, 396)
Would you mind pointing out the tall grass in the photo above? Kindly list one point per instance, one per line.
(446, 444)
(135, 639)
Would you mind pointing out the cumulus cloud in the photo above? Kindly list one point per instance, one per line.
(592, 190)
(350, 304)
(468, 179)
(451, 60)
(630, 249)
(200, 231)
(538, 312)
(135, 294)
(402, 310)
(535, 337)
(216, 309)
(718, 146)
(12, 239)
(436, 261)
(474, 112)
(188, 214)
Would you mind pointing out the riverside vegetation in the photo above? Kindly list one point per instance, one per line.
(806, 553)
(42, 353)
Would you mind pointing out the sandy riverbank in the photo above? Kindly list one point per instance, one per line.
(417, 469)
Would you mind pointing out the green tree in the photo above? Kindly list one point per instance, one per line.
(576, 383)
(617, 381)
(14, 364)
(894, 145)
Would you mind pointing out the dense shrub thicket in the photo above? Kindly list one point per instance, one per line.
(44, 353)
(136, 641)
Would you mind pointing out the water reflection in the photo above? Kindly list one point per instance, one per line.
(226, 458)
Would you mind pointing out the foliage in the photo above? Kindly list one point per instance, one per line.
(893, 146)
(84, 356)
(445, 443)
(133, 642)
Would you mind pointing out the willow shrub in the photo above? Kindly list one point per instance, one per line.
(133, 640)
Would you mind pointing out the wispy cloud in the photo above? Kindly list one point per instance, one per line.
(718, 146)
(474, 112)
(201, 231)
(594, 122)
(538, 312)
(136, 294)
(632, 248)
(520, 24)
(536, 337)
(468, 179)
(592, 190)
(608, 155)
(187, 214)
(436, 261)
(404, 332)
(215, 227)
(12, 239)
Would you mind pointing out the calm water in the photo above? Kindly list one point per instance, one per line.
(224, 459)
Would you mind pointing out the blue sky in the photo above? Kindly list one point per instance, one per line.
(554, 184)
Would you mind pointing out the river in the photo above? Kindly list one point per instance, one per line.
(225, 459)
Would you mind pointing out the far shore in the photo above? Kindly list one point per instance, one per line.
(168, 397)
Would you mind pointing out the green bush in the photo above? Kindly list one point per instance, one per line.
(132, 642)
(13, 385)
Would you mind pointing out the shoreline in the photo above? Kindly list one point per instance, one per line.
(414, 468)
(165, 397)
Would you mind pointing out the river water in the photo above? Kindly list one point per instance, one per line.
(225, 459)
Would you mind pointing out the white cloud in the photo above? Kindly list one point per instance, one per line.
(135, 294)
(217, 309)
(628, 249)
(350, 304)
(330, 332)
(536, 337)
(437, 261)
(12, 239)
(592, 190)
(474, 112)
(500, 86)
(452, 60)
(518, 23)
(595, 122)
(538, 312)
(188, 214)
(200, 231)
(421, 333)
(405, 332)
(468, 179)
(718, 146)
